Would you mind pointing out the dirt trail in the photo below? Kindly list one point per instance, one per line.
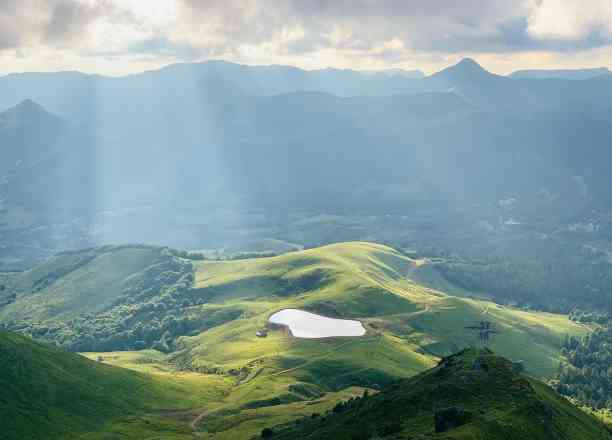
(195, 422)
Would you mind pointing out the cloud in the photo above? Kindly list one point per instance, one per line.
(71, 19)
(165, 47)
(435, 25)
(47, 22)
(308, 33)
(571, 23)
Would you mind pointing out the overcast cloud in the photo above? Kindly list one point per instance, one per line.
(134, 34)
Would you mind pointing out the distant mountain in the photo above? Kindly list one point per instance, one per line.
(573, 74)
(466, 71)
(216, 154)
(472, 394)
(413, 74)
(28, 133)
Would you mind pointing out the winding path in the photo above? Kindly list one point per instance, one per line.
(195, 422)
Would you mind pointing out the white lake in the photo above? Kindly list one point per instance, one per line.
(309, 325)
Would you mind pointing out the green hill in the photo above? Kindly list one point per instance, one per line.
(471, 395)
(207, 312)
(409, 325)
(46, 393)
(107, 298)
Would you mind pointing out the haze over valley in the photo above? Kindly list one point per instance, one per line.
(211, 156)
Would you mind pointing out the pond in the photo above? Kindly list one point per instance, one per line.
(309, 325)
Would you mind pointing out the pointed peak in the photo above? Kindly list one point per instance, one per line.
(26, 110)
(468, 65)
(468, 62)
(27, 105)
(465, 70)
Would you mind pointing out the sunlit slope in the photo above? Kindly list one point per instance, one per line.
(75, 283)
(46, 393)
(408, 325)
(470, 395)
(101, 299)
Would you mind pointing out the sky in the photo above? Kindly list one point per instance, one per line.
(119, 37)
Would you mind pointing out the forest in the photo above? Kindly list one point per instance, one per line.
(588, 377)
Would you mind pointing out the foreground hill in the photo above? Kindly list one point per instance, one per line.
(46, 393)
(470, 395)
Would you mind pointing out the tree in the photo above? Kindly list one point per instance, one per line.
(267, 433)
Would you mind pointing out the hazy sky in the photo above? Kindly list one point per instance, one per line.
(124, 36)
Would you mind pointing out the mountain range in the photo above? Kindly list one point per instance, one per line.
(576, 74)
(218, 154)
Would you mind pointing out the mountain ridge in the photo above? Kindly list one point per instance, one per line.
(572, 74)
(468, 395)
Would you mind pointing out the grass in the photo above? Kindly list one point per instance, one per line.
(257, 381)
(243, 424)
(372, 283)
(75, 283)
(476, 393)
(48, 393)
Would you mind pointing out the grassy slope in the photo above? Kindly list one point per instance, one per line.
(75, 283)
(498, 404)
(47, 393)
(369, 282)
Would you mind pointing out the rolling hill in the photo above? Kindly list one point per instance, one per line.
(195, 321)
(470, 395)
(130, 297)
(47, 393)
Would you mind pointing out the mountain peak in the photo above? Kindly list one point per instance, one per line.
(26, 109)
(468, 65)
(465, 70)
(27, 106)
(469, 62)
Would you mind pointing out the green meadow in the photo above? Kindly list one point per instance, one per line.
(225, 382)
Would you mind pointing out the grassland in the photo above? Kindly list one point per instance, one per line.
(75, 283)
(409, 326)
(374, 284)
(235, 383)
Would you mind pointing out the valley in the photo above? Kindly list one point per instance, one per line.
(224, 251)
